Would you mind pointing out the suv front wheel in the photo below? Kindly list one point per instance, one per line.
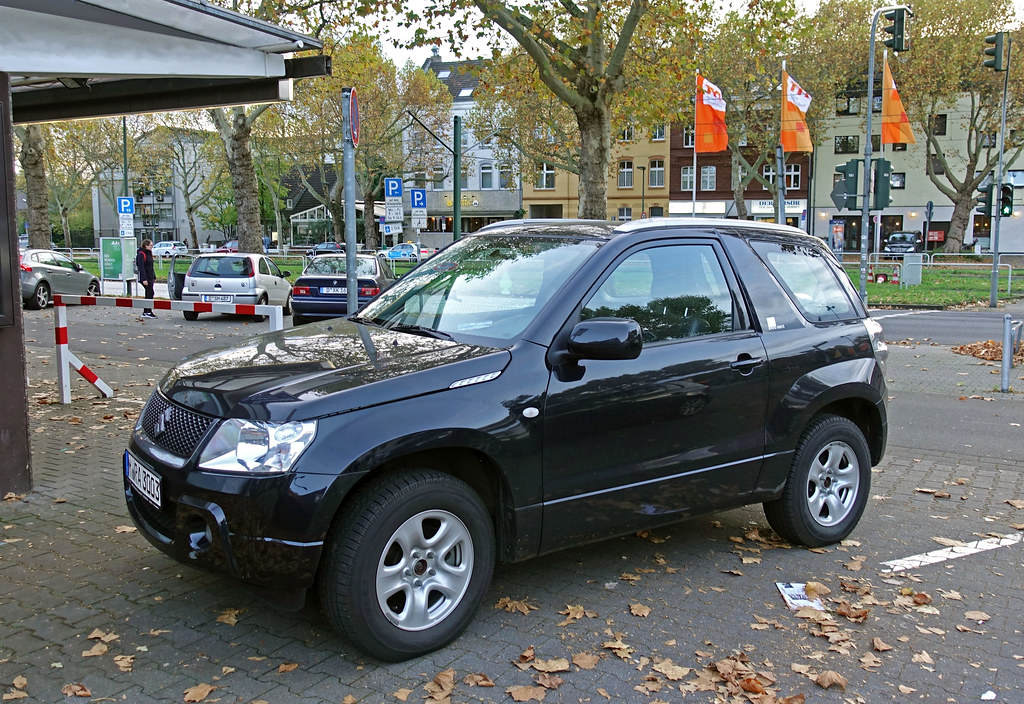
(407, 564)
(827, 487)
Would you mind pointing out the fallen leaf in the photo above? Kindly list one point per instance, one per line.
(976, 616)
(102, 636)
(870, 660)
(199, 692)
(548, 681)
(477, 680)
(230, 616)
(904, 689)
(287, 667)
(552, 665)
(19, 682)
(526, 657)
(639, 610)
(586, 661)
(828, 678)
(14, 694)
(924, 657)
(671, 670)
(76, 689)
(603, 693)
(526, 694)
(514, 605)
(124, 662)
(750, 684)
(815, 589)
(402, 694)
(96, 650)
(571, 613)
(880, 645)
(441, 687)
(125, 529)
(855, 615)
(948, 542)
(922, 598)
(1016, 503)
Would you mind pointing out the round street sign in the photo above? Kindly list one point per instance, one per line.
(353, 116)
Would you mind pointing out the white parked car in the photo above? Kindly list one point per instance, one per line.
(166, 248)
(252, 279)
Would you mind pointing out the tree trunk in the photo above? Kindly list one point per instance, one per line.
(595, 149)
(370, 222)
(337, 220)
(962, 210)
(190, 215)
(235, 129)
(31, 157)
(66, 225)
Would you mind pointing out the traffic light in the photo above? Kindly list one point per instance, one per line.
(1006, 200)
(899, 29)
(881, 198)
(994, 48)
(985, 200)
(844, 194)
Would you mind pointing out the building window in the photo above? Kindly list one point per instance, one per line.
(545, 177)
(937, 168)
(847, 144)
(625, 213)
(792, 177)
(419, 180)
(657, 211)
(627, 134)
(938, 125)
(657, 174)
(626, 174)
(486, 177)
(437, 180)
(708, 178)
(768, 173)
(898, 147)
(898, 179)
(876, 143)
(465, 92)
(658, 133)
(847, 106)
(688, 140)
(686, 178)
(505, 178)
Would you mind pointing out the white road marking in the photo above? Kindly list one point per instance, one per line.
(880, 314)
(936, 556)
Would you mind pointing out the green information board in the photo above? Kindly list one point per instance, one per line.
(116, 257)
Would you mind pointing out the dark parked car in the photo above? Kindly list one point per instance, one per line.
(322, 290)
(229, 247)
(44, 273)
(534, 386)
(325, 248)
(899, 243)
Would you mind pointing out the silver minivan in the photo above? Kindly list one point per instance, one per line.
(252, 279)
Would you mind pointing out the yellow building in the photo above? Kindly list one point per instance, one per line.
(637, 180)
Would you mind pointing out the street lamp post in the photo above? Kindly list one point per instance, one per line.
(643, 189)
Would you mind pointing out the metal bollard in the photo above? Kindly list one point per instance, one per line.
(1011, 339)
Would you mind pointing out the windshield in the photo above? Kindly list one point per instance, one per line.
(902, 237)
(485, 285)
(329, 266)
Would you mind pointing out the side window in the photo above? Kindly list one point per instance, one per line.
(264, 267)
(274, 269)
(46, 258)
(674, 292)
(809, 279)
(64, 262)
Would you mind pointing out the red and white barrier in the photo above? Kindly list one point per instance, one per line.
(66, 359)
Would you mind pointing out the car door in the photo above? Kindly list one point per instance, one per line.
(63, 274)
(272, 280)
(630, 444)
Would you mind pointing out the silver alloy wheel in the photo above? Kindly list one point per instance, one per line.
(42, 295)
(833, 483)
(425, 570)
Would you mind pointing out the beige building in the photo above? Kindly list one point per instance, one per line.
(637, 180)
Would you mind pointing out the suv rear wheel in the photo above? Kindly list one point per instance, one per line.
(827, 487)
(407, 564)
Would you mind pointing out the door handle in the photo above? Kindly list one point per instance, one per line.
(747, 364)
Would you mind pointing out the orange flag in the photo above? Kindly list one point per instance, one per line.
(795, 101)
(895, 125)
(709, 134)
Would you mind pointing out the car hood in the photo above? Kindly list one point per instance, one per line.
(322, 369)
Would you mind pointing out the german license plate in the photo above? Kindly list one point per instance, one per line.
(217, 299)
(333, 289)
(144, 481)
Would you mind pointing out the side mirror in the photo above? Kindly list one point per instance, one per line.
(286, 274)
(606, 338)
(78, 267)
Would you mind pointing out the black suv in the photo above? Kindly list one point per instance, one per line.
(536, 385)
(899, 243)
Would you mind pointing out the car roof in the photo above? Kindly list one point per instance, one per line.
(607, 230)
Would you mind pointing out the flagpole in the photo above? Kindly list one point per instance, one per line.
(696, 97)
(780, 154)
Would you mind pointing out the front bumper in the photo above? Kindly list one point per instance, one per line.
(264, 531)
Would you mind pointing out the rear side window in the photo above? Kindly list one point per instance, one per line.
(810, 279)
(226, 267)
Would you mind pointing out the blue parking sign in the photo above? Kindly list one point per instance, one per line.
(392, 188)
(418, 197)
(125, 205)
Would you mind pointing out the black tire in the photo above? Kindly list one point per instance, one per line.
(827, 487)
(260, 318)
(299, 319)
(94, 289)
(288, 306)
(40, 297)
(366, 579)
(190, 315)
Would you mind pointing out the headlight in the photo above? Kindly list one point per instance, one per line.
(257, 446)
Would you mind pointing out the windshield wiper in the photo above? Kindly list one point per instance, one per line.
(421, 330)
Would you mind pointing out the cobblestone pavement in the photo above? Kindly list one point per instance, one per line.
(686, 613)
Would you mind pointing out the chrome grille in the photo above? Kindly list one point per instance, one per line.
(175, 429)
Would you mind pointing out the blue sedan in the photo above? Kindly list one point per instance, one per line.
(322, 290)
